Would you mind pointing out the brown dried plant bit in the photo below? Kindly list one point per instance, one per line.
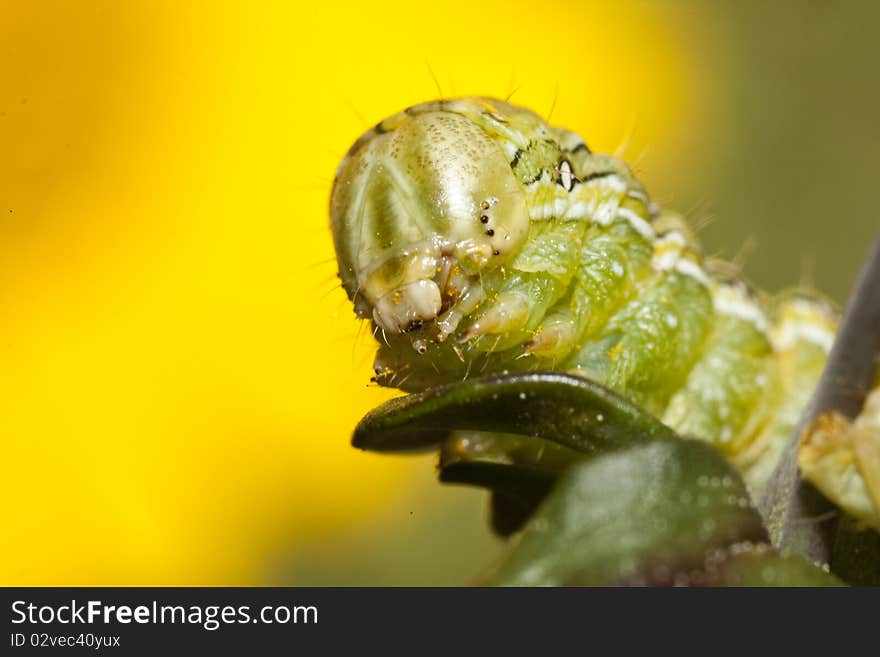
(842, 459)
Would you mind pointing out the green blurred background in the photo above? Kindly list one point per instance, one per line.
(179, 372)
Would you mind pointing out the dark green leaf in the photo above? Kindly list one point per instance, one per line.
(519, 456)
(562, 408)
(519, 470)
(510, 514)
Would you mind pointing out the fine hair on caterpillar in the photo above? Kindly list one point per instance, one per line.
(479, 239)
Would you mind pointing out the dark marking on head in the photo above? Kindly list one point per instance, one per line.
(597, 175)
(516, 157)
(535, 178)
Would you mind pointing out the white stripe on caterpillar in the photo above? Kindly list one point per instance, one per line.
(729, 301)
(791, 331)
(640, 225)
(692, 269)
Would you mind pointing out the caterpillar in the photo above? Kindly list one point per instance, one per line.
(479, 239)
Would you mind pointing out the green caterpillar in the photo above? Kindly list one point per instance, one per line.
(479, 239)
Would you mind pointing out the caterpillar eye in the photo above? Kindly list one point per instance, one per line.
(424, 193)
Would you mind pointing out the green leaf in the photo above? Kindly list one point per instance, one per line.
(566, 409)
(491, 459)
(520, 471)
(650, 514)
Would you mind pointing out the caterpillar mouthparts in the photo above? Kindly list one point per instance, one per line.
(479, 239)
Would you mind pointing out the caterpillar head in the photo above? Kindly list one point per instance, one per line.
(423, 205)
(457, 227)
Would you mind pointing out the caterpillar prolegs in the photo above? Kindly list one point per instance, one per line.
(479, 239)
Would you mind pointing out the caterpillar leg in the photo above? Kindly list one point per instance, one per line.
(585, 198)
(539, 276)
(612, 261)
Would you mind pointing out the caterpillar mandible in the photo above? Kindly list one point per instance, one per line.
(479, 239)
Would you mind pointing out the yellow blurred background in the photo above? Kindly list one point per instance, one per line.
(179, 370)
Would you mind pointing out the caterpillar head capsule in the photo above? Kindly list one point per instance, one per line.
(459, 228)
(423, 205)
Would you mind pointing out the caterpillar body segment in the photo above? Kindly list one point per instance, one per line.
(611, 263)
(479, 239)
(646, 349)
(723, 391)
(801, 332)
